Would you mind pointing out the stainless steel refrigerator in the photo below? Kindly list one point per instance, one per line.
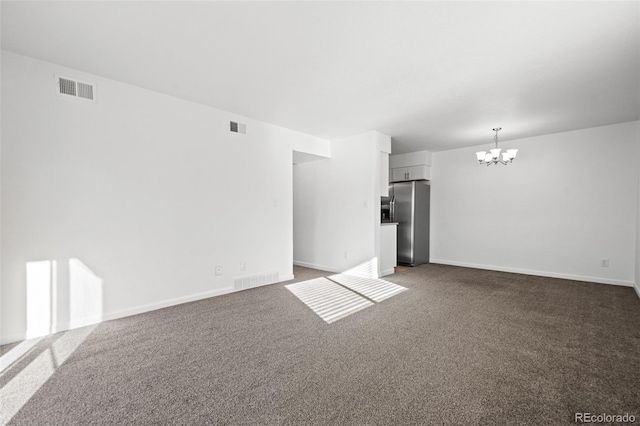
(411, 211)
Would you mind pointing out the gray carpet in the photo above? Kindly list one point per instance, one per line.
(460, 346)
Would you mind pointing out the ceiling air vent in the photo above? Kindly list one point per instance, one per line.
(77, 89)
(236, 127)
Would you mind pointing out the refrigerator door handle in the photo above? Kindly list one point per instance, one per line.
(392, 209)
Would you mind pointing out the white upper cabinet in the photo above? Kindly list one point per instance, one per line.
(400, 174)
(412, 166)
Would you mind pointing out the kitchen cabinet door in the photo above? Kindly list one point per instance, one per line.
(420, 172)
(399, 174)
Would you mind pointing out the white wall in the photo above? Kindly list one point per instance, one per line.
(146, 191)
(382, 148)
(637, 260)
(337, 205)
(1, 96)
(310, 149)
(568, 201)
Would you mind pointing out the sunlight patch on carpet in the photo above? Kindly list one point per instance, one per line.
(327, 299)
(15, 354)
(372, 288)
(17, 392)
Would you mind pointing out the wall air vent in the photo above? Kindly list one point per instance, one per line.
(250, 281)
(236, 127)
(85, 90)
(77, 89)
(67, 87)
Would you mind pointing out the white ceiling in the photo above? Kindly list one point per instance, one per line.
(432, 75)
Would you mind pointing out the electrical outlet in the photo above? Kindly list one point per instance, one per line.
(218, 270)
(243, 266)
(346, 254)
(604, 263)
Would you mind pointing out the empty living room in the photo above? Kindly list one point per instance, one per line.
(319, 212)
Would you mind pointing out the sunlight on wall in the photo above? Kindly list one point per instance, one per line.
(26, 382)
(368, 269)
(30, 364)
(41, 286)
(85, 295)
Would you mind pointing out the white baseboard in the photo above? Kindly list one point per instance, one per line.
(131, 311)
(334, 270)
(125, 313)
(637, 287)
(11, 338)
(598, 280)
(81, 323)
(165, 304)
(315, 266)
(387, 272)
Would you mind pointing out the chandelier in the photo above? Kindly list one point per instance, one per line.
(493, 156)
